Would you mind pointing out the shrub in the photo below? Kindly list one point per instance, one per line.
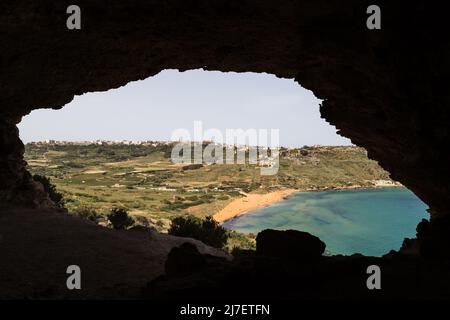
(88, 213)
(238, 242)
(184, 226)
(120, 219)
(50, 189)
(141, 220)
(74, 165)
(207, 230)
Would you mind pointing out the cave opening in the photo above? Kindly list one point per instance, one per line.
(111, 149)
(384, 89)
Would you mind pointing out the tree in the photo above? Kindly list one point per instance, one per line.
(207, 230)
(50, 189)
(120, 219)
(88, 213)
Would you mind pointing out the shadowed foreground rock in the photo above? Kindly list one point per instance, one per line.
(386, 90)
(184, 260)
(37, 246)
(289, 244)
(254, 277)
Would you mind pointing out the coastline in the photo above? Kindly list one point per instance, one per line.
(381, 184)
(251, 201)
(255, 201)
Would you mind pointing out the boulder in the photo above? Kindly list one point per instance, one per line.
(290, 244)
(184, 260)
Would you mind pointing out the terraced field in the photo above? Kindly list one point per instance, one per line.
(144, 180)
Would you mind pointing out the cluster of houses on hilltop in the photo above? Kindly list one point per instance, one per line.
(101, 143)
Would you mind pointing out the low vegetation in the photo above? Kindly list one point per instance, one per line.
(88, 213)
(91, 179)
(119, 218)
(206, 230)
(50, 189)
(142, 178)
(238, 241)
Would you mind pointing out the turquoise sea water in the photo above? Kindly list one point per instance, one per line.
(370, 222)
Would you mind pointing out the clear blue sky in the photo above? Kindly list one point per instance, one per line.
(153, 108)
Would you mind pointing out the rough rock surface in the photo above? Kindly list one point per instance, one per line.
(36, 247)
(291, 244)
(184, 260)
(251, 276)
(387, 90)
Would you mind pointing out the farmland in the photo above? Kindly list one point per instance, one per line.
(142, 178)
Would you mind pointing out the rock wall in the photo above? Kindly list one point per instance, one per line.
(16, 185)
(387, 90)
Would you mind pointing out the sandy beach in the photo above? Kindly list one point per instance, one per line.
(251, 202)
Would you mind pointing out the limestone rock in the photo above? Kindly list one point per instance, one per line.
(386, 90)
(184, 260)
(289, 244)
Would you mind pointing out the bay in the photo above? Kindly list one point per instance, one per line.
(367, 221)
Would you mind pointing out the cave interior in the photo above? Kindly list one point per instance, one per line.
(386, 90)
